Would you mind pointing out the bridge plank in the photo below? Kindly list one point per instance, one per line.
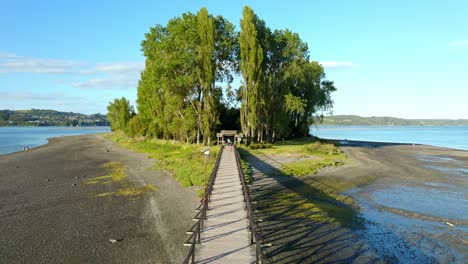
(226, 236)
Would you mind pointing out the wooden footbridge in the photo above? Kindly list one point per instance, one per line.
(224, 231)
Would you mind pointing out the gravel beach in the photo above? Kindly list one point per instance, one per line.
(49, 213)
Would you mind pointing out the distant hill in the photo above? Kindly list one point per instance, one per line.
(37, 117)
(353, 120)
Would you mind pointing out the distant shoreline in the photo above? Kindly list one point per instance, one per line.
(375, 144)
(354, 120)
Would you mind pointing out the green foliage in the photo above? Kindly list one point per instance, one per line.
(283, 91)
(177, 96)
(251, 59)
(309, 156)
(119, 113)
(245, 166)
(185, 162)
(322, 148)
(135, 127)
(315, 198)
(260, 146)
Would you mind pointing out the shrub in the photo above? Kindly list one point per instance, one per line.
(134, 127)
(260, 146)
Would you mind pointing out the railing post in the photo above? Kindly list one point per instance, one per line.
(251, 235)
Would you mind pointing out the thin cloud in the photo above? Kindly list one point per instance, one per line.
(337, 64)
(104, 75)
(13, 63)
(106, 83)
(57, 101)
(458, 43)
(356, 86)
(38, 97)
(121, 75)
(121, 68)
(4, 55)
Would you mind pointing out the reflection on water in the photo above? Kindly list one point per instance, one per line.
(403, 238)
(430, 158)
(427, 201)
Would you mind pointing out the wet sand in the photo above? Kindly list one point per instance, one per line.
(48, 214)
(396, 191)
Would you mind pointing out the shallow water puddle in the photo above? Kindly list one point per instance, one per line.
(406, 224)
(453, 171)
(428, 201)
(430, 158)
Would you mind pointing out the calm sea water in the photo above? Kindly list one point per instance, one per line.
(13, 139)
(441, 136)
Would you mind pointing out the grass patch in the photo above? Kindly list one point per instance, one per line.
(130, 191)
(305, 157)
(314, 198)
(260, 146)
(314, 205)
(184, 162)
(245, 166)
(115, 172)
(341, 184)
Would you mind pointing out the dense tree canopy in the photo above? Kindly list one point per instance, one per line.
(177, 93)
(119, 113)
(187, 61)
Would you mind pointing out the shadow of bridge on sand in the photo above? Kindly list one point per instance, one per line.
(302, 223)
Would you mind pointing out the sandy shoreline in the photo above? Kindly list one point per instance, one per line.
(50, 215)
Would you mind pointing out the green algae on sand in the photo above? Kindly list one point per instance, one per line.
(115, 173)
(130, 191)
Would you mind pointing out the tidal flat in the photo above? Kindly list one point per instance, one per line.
(398, 203)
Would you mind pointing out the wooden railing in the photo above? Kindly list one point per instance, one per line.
(197, 228)
(254, 237)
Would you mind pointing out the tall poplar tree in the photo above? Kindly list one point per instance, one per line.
(206, 63)
(177, 93)
(119, 113)
(251, 58)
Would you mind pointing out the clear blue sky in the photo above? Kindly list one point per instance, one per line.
(396, 58)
